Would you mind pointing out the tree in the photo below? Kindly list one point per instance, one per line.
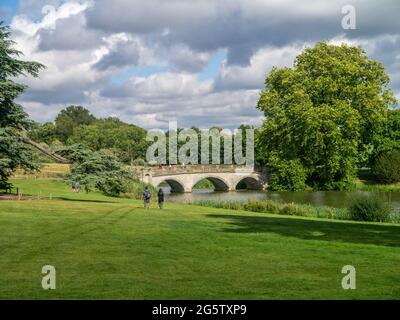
(44, 133)
(126, 141)
(386, 167)
(14, 153)
(324, 111)
(97, 170)
(69, 119)
(389, 139)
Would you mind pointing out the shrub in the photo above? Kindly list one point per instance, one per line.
(369, 207)
(387, 167)
(139, 162)
(286, 175)
(262, 206)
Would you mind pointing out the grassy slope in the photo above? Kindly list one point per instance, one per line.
(112, 248)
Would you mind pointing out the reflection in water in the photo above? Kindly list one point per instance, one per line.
(327, 198)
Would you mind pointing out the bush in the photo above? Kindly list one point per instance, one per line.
(386, 168)
(286, 175)
(369, 207)
(139, 162)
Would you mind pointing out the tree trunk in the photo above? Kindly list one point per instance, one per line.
(50, 153)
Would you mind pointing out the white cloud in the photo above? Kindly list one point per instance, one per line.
(252, 76)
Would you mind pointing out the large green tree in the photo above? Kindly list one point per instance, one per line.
(323, 112)
(14, 153)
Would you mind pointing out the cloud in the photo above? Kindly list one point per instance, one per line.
(165, 85)
(151, 61)
(124, 54)
(69, 33)
(242, 26)
(187, 60)
(252, 76)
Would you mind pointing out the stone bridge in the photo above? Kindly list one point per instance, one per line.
(223, 177)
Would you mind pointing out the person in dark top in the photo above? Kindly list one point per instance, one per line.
(146, 197)
(160, 196)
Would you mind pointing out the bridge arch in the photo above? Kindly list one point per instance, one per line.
(250, 183)
(176, 185)
(219, 183)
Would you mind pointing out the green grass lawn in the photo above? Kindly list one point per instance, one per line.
(107, 248)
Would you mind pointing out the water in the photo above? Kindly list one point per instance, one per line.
(337, 199)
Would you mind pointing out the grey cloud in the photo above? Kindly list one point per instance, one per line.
(242, 27)
(124, 54)
(54, 96)
(70, 34)
(186, 60)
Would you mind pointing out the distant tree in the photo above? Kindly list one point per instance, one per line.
(14, 153)
(126, 141)
(70, 118)
(324, 111)
(389, 139)
(386, 167)
(44, 133)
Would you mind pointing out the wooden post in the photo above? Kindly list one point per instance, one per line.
(51, 196)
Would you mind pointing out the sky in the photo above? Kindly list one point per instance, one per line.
(200, 62)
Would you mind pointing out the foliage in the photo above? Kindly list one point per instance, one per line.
(204, 184)
(389, 139)
(273, 207)
(133, 188)
(139, 162)
(323, 111)
(96, 170)
(43, 133)
(14, 153)
(367, 207)
(286, 174)
(126, 140)
(69, 119)
(386, 168)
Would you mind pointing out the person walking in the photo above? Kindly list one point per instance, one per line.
(160, 196)
(146, 197)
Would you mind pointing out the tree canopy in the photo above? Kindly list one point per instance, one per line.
(70, 118)
(323, 113)
(14, 153)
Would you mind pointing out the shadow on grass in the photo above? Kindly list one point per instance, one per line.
(382, 235)
(85, 200)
